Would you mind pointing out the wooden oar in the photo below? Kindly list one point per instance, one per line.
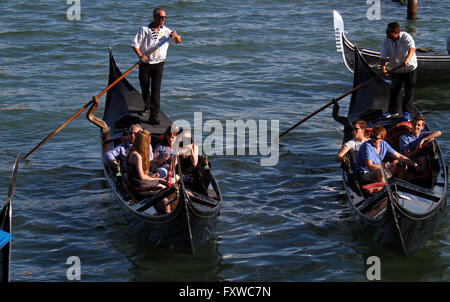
(334, 100)
(92, 101)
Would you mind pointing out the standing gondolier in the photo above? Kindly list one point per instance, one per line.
(400, 49)
(151, 68)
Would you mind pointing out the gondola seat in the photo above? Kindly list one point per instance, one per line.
(373, 187)
(393, 135)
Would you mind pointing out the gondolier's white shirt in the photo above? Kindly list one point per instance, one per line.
(147, 38)
(396, 52)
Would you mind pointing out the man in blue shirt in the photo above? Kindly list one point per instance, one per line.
(372, 152)
(412, 144)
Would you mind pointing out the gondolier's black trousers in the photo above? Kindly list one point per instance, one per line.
(408, 79)
(151, 74)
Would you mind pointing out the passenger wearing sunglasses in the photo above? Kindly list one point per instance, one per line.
(412, 144)
(151, 68)
(116, 156)
(355, 143)
(369, 155)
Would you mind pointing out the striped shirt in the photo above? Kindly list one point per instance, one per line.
(147, 38)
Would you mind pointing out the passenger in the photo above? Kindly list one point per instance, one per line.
(368, 157)
(195, 168)
(164, 151)
(412, 144)
(116, 157)
(187, 151)
(355, 143)
(138, 163)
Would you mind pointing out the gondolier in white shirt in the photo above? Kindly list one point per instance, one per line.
(399, 48)
(151, 68)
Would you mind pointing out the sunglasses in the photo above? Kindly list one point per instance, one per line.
(135, 133)
(356, 129)
(161, 17)
(375, 138)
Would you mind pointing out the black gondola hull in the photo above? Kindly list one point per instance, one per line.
(183, 230)
(415, 232)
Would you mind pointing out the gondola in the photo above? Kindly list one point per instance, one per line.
(432, 66)
(194, 214)
(6, 228)
(401, 216)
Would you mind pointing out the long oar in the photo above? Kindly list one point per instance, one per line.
(92, 101)
(334, 100)
(12, 182)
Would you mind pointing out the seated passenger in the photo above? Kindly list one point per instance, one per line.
(412, 144)
(116, 157)
(164, 151)
(138, 164)
(195, 167)
(187, 151)
(368, 157)
(355, 143)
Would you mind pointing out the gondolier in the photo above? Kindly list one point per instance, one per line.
(400, 49)
(432, 66)
(151, 68)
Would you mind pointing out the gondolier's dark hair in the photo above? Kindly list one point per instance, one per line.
(393, 27)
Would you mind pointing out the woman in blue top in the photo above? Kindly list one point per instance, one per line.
(369, 155)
